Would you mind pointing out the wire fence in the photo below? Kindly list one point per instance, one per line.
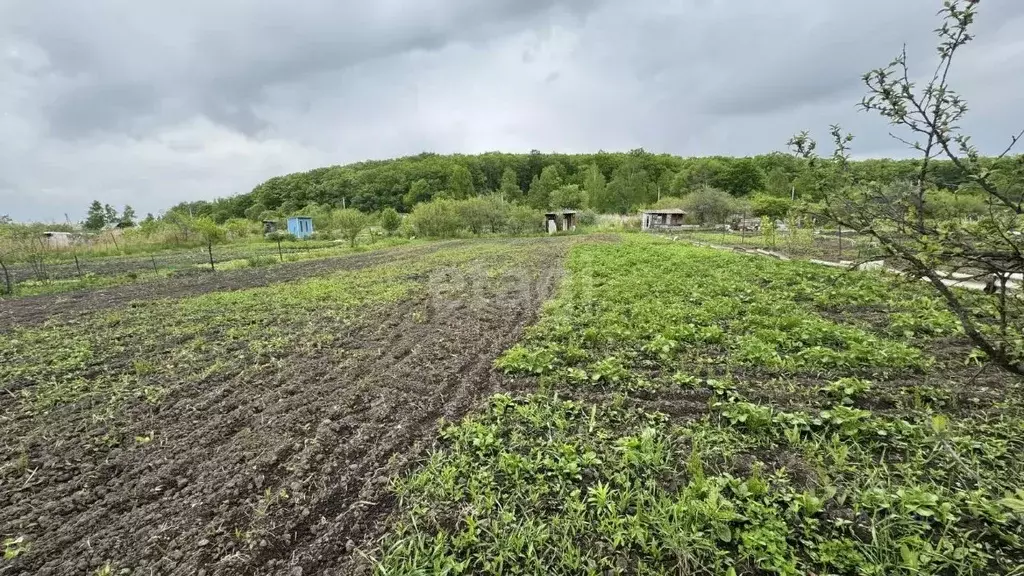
(60, 270)
(832, 245)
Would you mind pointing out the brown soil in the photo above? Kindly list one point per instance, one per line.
(282, 469)
(38, 309)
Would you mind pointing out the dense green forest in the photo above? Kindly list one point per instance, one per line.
(612, 182)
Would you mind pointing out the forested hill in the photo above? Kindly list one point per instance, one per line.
(629, 180)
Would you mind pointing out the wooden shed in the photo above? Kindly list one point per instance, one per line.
(663, 219)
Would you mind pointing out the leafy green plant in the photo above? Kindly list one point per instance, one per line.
(846, 390)
(14, 547)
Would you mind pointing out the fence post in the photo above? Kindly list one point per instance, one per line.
(153, 260)
(77, 265)
(209, 248)
(840, 242)
(7, 278)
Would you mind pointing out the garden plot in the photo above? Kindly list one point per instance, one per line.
(36, 309)
(253, 430)
(702, 412)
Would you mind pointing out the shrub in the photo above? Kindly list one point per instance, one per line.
(773, 207)
(281, 236)
(709, 205)
(524, 220)
(587, 218)
(437, 219)
(350, 223)
(569, 196)
(390, 220)
(475, 214)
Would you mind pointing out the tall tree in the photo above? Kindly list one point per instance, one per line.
(109, 215)
(418, 192)
(929, 119)
(96, 217)
(539, 196)
(569, 196)
(741, 178)
(630, 187)
(460, 184)
(128, 216)
(510, 190)
(596, 187)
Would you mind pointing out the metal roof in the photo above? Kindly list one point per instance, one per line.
(666, 211)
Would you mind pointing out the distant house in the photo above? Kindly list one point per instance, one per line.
(300, 226)
(269, 226)
(564, 220)
(57, 239)
(664, 219)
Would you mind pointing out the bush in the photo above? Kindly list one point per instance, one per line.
(587, 218)
(475, 214)
(440, 218)
(569, 197)
(390, 220)
(525, 220)
(350, 223)
(773, 207)
(241, 228)
(281, 236)
(709, 205)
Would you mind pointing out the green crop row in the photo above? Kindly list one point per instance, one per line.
(788, 469)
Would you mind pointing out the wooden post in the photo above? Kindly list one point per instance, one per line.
(743, 228)
(153, 260)
(209, 248)
(840, 242)
(7, 278)
(77, 265)
(280, 253)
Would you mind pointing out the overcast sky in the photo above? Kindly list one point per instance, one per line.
(152, 103)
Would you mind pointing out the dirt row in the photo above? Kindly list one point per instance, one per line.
(284, 469)
(38, 309)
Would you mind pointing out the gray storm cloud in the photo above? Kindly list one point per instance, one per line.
(154, 103)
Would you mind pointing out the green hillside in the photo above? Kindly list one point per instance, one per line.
(631, 179)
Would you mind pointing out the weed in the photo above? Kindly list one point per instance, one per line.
(14, 547)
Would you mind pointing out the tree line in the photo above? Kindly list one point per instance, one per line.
(605, 182)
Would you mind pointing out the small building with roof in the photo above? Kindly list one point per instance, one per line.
(663, 219)
(57, 239)
(564, 220)
(300, 226)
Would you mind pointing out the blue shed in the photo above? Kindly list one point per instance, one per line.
(300, 226)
